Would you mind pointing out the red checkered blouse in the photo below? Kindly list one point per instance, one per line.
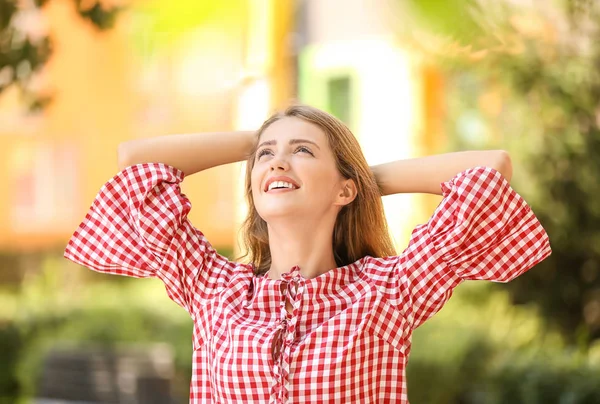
(348, 336)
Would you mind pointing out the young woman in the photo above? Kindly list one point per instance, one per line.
(325, 310)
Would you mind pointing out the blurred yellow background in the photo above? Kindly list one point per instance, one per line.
(241, 61)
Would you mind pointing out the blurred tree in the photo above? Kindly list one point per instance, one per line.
(544, 58)
(25, 48)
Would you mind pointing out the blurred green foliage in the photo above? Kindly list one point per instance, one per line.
(528, 80)
(481, 349)
(455, 19)
(23, 53)
(56, 306)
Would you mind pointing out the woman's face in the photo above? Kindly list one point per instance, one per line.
(295, 173)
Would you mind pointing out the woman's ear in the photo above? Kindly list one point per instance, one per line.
(348, 192)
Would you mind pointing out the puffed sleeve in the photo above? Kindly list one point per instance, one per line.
(482, 229)
(137, 226)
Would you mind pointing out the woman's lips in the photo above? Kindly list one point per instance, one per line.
(280, 190)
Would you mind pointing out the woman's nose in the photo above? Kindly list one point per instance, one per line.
(279, 163)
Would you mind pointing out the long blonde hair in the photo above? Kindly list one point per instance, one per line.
(360, 228)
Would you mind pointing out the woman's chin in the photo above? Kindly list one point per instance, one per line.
(281, 210)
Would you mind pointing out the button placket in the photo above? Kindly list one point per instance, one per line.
(292, 289)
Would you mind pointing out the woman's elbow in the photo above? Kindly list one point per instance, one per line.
(503, 164)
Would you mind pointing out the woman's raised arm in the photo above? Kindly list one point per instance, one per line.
(425, 174)
(190, 153)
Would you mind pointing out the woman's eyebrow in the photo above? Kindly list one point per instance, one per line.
(267, 143)
(292, 141)
(296, 141)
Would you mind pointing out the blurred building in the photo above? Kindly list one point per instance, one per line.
(135, 81)
(234, 63)
(353, 64)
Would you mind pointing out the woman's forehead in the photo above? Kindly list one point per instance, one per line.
(293, 128)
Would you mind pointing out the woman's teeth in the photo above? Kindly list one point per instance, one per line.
(280, 184)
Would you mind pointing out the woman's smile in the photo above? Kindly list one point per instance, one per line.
(280, 183)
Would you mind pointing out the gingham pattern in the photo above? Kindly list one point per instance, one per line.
(347, 338)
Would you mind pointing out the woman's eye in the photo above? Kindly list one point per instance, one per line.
(263, 152)
(304, 149)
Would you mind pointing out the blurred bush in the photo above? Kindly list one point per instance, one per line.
(527, 80)
(50, 311)
(481, 349)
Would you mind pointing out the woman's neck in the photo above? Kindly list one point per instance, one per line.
(305, 244)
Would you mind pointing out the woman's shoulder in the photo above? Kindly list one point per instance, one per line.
(377, 266)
